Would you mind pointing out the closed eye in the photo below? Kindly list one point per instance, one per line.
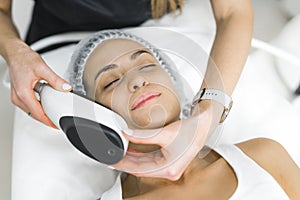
(110, 83)
(147, 66)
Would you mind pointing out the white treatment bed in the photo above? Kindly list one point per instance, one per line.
(47, 167)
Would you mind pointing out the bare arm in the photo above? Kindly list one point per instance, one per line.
(8, 32)
(26, 67)
(234, 20)
(271, 156)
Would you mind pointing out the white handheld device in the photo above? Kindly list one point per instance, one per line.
(92, 128)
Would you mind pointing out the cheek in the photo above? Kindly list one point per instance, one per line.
(104, 99)
(161, 78)
(119, 101)
(140, 119)
(165, 111)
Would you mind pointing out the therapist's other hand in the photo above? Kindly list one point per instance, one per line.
(180, 143)
(26, 68)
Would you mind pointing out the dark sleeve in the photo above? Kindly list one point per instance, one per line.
(60, 16)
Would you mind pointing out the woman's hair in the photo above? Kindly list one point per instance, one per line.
(161, 7)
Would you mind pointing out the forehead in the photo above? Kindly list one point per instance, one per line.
(111, 49)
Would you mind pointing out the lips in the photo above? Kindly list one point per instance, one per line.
(145, 99)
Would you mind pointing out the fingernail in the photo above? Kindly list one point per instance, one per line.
(110, 167)
(128, 132)
(66, 86)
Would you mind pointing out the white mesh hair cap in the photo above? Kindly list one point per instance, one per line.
(86, 46)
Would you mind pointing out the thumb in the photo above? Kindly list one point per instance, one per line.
(145, 136)
(56, 81)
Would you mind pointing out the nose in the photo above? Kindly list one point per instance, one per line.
(136, 82)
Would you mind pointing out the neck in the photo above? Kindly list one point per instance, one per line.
(145, 184)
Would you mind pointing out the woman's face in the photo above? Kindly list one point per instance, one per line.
(125, 77)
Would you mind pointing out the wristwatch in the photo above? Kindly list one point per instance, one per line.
(216, 95)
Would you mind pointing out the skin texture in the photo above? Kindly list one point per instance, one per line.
(234, 21)
(213, 178)
(129, 80)
(26, 67)
(208, 178)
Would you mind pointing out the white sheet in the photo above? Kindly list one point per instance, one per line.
(46, 166)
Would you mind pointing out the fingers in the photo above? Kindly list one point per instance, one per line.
(161, 137)
(180, 142)
(30, 104)
(139, 163)
(25, 71)
(53, 79)
(144, 136)
(36, 109)
(154, 165)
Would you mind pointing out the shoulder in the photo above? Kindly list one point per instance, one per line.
(264, 151)
(272, 157)
(261, 147)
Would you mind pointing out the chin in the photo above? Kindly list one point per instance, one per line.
(155, 117)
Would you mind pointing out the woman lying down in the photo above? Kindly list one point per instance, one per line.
(116, 69)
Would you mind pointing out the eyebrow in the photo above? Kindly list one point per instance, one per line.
(105, 69)
(113, 66)
(138, 53)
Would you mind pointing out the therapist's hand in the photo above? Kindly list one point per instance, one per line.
(26, 68)
(180, 142)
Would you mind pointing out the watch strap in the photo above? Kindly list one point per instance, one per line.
(216, 95)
